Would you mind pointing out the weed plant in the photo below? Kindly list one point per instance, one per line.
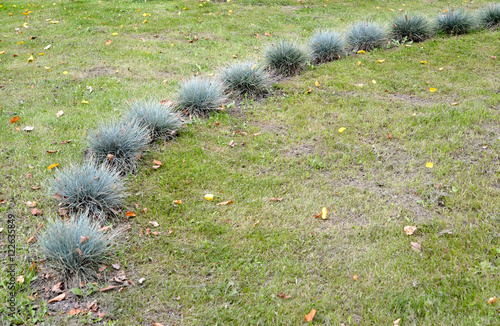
(161, 120)
(454, 22)
(200, 96)
(414, 28)
(365, 36)
(91, 190)
(118, 144)
(326, 46)
(74, 248)
(246, 78)
(285, 58)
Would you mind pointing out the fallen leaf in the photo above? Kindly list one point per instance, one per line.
(102, 268)
(85, 102)
(178, 202)
(14, 119)
(31, 239)
(83, 239)
(107, 288)
(454, 104)
(36, 187)
(28, 128)
(416, 246)
(310, 316)
(358, 63)
(429, 165)
(380, 60)
(432, 89)
(267, 34)
(257, 134)
(374, 81)
(157, 162)
(324, 213)
(79, 251)
(58, 298)
(3, 52)
(62, 211)
(492, 300)
(276, 199)
(130, 214)
(116, 266)
(355, 277)
(141, 233)
(20, 279)
(284, 296)
(141, 280)
(75, 311)
(36, 212)
(308, 91)
(409, 230)
(57, 287)
(209, 197)
(157, 324)
(389, 136)
(47, 47)
(31, 59)
(59, 113)
(317, 84)
(225, 203)
(31, 204)
(341, 130)
(108, 42)
(105, 229)
(50, 167)
(423, 62)
(361, 52)
(65, 142)
(396, 322)
(156, 167)
(154, 223)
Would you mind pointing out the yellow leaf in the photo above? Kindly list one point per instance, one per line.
(341, 130)
(429, 165)
(361, 51)
(2, 52)
(358, 63)
(423, 62)
(440, 69)
(31, 59)
(209, 197)
(25, 25)
(253, 67)
(48, 68)
(85, 102)
(114, 34)
(41, 53)
(380, 60)
(374, 81)
(65, 72)
(50, 167)
(324, 213)
(317, 84)
(145, 21)
(54, 22)
(20, 42)
(146, 14)
(432, 89)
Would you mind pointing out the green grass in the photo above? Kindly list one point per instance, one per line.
(226, 265)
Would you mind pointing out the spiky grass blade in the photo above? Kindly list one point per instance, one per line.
(74, 248)
(161, 120)
(454, 22)
(200, 96)
(414, 28)
(246, 78)
(285, 58)
(326, 46)
(118, 144)
(365, 36)
(489, 17)
(90, 189)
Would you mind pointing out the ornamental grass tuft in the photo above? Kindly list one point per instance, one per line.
(412, 28)
(454, 22)
(285, 58)
(200, 96)
(246, 78)
(118, 144)
(89, 189)
(160, 119)
(489, 17)
(326, 46)
(74, 248)
(365, 36)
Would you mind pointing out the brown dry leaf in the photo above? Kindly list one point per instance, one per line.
(105, 229)
(267, 34)
(14, 119)
(102, 268)
(31, 239)
(36, 187)
(83, 239)
(310, 316)
(154, 233)
(225, 203)
(57, 287)
(284, 296)
(141, 233)
(454, 104)
(355, 277)
(178, 201)
(75, 311)
(79, 251)
(62, 211)
(389, 136)
(130, 214)
(276, 199)
(156, 162)
(29, 175)
(93, 306)
(116, 266)
(20, 279)
(31, 204)
(145, 210)
(257, 134)
(157, 324)
(492, 300)
(232, 143)
(409, 230)
(108, 42)
(110, 157)
(396, 322)
(36, 212)
(416, 246)
(107, 288)
(58, 298)
(65, 142)
(51, 152)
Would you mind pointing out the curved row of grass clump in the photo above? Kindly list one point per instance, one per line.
(94, 192)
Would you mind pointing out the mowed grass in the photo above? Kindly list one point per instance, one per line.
(226, 265)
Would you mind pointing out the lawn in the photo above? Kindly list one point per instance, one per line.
(400, 136)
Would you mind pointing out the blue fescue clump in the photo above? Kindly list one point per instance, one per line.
(160, 119)
(489, 17)
(200, 96)
(118, 144)
(74, 248)
(366, 36)
(414, 28)
(91, 190)
(326, 46)
(285, 58)
(454, 22)
(246, 78)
